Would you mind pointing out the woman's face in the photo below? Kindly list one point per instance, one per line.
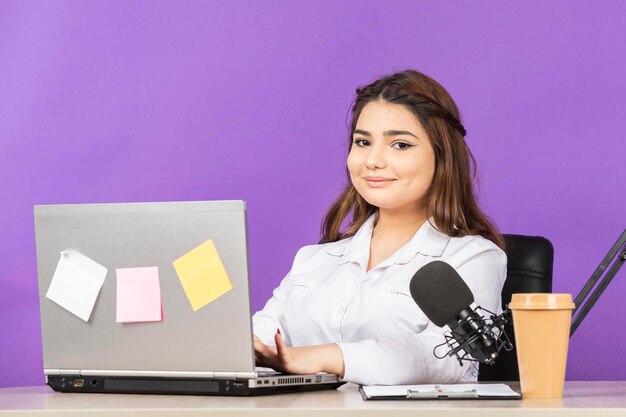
(391, 161)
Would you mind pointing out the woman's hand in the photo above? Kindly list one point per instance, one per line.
(300, 359)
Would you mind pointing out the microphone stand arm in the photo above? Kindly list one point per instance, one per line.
(581, 309)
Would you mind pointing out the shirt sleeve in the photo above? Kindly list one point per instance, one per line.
(409, 359)
(271, 317)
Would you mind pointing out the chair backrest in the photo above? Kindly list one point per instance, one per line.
(529, 269)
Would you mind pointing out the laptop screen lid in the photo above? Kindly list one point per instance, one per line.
(214, 340)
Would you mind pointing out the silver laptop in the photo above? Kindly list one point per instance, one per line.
(207, 351)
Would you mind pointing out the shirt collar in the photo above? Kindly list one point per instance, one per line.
(427, 240)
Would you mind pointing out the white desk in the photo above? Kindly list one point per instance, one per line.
(589, 399)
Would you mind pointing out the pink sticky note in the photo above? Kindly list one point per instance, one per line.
(138, 295)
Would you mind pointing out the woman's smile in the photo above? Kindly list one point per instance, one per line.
(378, 182)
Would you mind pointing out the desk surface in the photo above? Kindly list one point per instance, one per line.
(594, 398)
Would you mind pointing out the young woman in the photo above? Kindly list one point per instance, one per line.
(345, 306)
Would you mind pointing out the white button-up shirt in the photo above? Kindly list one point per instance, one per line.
(328, 297)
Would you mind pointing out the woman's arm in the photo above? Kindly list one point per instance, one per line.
(301, 359)
(272, 315)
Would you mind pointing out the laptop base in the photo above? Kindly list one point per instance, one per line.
(171, 386)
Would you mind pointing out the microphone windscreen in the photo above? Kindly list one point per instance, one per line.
(440, 292)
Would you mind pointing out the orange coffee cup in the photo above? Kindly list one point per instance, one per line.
(541, 322)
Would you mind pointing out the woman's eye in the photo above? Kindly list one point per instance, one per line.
(403, 145)
(358, 142)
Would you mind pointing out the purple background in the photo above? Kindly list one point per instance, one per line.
(153, 101)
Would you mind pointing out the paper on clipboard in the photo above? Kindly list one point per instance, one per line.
(432, 391)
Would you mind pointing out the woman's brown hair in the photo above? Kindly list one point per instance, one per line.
(450, 200)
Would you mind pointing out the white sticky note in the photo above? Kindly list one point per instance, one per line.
(76, 283)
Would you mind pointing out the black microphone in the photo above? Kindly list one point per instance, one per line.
(445, 298)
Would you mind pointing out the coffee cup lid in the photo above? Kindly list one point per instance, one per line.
(541, 301)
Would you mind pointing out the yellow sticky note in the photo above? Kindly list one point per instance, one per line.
(202, 275)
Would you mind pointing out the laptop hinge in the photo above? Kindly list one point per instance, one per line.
(162, 374)
(225, 375)
(235, 375)
(145, 374)
(61, 371)
(51, 372)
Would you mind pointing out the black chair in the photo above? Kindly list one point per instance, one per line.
(529, 269)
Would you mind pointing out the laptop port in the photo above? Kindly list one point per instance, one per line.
(78, 383)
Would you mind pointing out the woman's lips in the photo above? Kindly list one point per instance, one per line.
(378, 183)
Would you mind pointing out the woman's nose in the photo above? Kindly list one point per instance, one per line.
(375, 158)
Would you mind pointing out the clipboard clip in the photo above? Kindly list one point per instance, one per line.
(438, 393)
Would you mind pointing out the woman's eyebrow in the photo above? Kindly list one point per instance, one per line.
(386, 133)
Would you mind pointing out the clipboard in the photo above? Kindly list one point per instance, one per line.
(440, 392)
